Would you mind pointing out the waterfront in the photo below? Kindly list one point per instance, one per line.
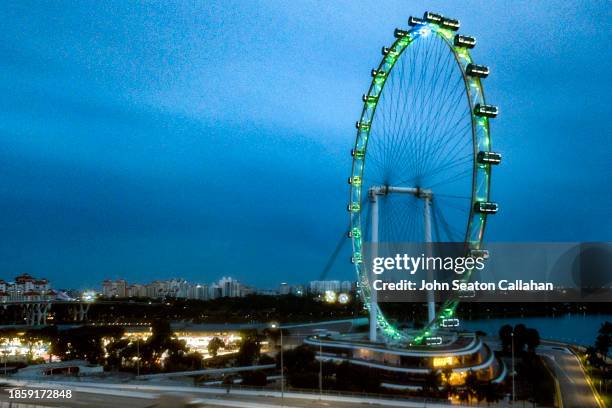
(572, 328)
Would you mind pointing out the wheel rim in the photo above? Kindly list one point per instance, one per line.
(396, 144)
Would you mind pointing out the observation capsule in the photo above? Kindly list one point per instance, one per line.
(399, 33)
(389, 51)
(413, 21)
(485, 207)
(488, 111)
(480, 71)
(488, 158)
(432, 17)
(450, 23)
(362, 125)
(465, 41)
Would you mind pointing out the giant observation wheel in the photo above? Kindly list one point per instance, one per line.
(422, 156)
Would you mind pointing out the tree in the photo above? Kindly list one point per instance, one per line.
(184, 361)
(214, 345)
(32, 336)
(273, 334)
(298, 358)
(302, 370)
(603, 342)
(249, 351)
(447, 373)
(532, 339)
(472, 386)
(593, 357)
(505, 336)
(492, 392)
(432, 383)
(114, 351)
(265, 359)
(520, 339)
(84, 343)
(162, 343)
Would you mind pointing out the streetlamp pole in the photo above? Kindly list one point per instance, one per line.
(513, 371)
(6, 354)
(320, 369)
(137, 357)
(282, 365)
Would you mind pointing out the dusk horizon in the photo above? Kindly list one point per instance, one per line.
(151, 141)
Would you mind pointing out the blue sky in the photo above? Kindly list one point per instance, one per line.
(154, 140)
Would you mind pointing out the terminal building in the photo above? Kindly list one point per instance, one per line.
(402, 367)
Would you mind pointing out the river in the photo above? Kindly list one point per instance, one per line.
(575, 328)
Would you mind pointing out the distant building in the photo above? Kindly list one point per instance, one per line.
(180, 288)
(320, 287)
(247, 290)
(214, 291)
(266, 292)
(25, 288)
(116, 288)
(348, 286)
(284, 289)
(136, 290)
(230, 287)
(199, 292)
(177, 288)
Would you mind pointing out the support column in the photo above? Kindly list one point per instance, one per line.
(83, 309)
(45, 313)
(37, 314)
(373, 294)
(431, 304)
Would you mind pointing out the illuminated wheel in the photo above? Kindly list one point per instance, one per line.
(423, 144)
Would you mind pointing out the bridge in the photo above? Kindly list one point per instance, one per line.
(36, 311)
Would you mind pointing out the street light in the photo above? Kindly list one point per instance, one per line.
(277, 326)
(320, 369)
(513, 372)
(6, 353)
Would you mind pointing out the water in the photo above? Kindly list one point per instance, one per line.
(572, 328)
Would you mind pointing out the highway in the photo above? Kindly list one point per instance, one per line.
(79, 399)
(99, 395)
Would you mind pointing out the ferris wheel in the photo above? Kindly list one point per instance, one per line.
(422, 157)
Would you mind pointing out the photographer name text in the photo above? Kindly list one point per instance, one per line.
(458, 285)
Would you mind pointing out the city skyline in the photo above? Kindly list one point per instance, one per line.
(28, 287)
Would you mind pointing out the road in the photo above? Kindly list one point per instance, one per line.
(573, 386)
(575, 389)
(118, 396)
(78, 400)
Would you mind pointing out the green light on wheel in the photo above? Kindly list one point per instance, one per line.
(446, 33)
(354, 207)
(378, 110)
(358, 153)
